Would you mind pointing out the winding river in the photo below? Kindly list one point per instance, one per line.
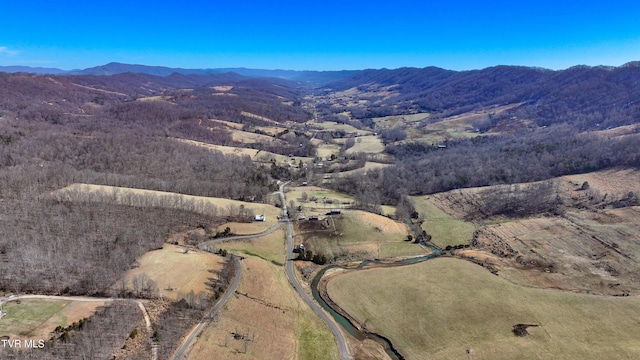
(344, 322)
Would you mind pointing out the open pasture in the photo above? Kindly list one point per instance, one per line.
(356, 234)
(452, 309)
(175, 272)
(366, 144)
(444, 229)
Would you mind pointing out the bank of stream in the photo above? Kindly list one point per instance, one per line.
(343, 320)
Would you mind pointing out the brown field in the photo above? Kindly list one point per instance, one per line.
(246, 137)
(451, 309)
(334, 126)
(248, 114)
(223, 88)
(367, 144)
(270, 319)
(229, 124)
(324, 151)
(592, 247)
(388, 122)
(174, 272)
(36, 318)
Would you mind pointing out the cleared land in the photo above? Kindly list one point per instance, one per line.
(324, 151)
(592, 246)
(255, 155)
(266, 319)
(451, 309)
(142, 198)
(445, 230)
(388, 122)
(37, 318)
(356, 235)
(367, 144)
(175, 272)
(334, 126)
(270, 248)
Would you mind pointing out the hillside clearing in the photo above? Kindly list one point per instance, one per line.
(453, 309)
(356, 234)
(144, 198)
(271, 247)
(175, 272)
(445, 230)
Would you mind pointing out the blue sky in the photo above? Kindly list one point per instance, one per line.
(319, 35)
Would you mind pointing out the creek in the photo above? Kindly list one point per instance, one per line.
(346, 323)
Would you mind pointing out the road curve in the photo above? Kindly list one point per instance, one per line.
(205, 244)
(342, 343)
(180, 353)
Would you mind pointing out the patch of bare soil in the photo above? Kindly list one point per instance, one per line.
(575, 252)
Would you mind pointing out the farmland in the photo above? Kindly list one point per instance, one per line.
(356, 235)
(454, 309)
(445, 229)
(266, 319)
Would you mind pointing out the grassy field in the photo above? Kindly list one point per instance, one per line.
(388, 122)
(175, 272)
(356, 234)
(453, 309)
(337, 199)
(367, 166)
(255, 155)
(141, 197)
(324, 151)
(273, 319)
(270, 248)
(367, 144)
(37, 318)
(444, 229)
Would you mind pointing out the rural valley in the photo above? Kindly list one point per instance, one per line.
(415, 213)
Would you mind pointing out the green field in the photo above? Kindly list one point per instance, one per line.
(271, 247)
(452, 309)
(443, 228)
(24, 319)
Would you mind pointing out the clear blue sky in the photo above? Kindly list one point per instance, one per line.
(319, 35)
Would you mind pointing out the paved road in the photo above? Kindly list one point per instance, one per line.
(204, 245)
(344, 349)
(180, 353)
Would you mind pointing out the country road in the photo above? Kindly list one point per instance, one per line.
(180, 353)
(204, 245)
(344, 349)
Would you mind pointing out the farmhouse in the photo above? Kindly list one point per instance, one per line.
(335, 212)
(260, 217)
